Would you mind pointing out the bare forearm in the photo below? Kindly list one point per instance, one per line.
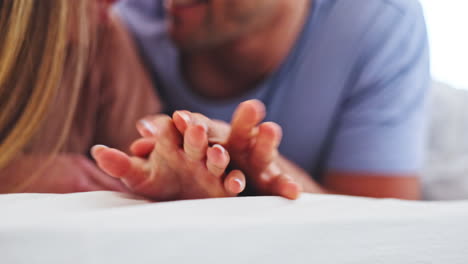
(356, 184)
(301, 176)
(64, 173)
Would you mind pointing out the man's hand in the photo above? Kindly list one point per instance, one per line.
(253, 148)
(178, 167)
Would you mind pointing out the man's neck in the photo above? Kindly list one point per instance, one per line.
(239, 66)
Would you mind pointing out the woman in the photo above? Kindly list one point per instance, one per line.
(66, 80)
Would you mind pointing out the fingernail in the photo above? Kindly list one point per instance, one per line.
(292, 191)
(240, 184)
(274, 169)
(288, 178)
(184, 116)
(221, 148)
(97, 148)
(203, 125)
(149, 129)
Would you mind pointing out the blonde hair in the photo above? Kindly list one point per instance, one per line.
(44, 49)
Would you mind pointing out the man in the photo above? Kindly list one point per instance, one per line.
(346, 80)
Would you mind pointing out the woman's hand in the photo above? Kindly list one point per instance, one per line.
(169, 166)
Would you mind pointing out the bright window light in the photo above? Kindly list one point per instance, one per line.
(447, 22)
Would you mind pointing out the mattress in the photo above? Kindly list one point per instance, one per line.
(108, 227)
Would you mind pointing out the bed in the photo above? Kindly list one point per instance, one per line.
(107, 227)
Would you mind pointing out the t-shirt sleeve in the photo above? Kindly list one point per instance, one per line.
(382, 124)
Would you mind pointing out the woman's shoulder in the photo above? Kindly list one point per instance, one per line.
(121, 85)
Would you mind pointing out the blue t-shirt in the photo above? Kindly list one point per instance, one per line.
(350, 97)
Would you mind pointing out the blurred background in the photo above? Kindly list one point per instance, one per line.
(446, 170)
(447, 22)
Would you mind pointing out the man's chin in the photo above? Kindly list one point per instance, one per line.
(188, 43)
(183, 43)
(191, 44)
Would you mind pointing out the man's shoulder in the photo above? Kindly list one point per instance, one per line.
(369, 19)
(363, 20)
(400, 5)
(370, 7)
(403, 6)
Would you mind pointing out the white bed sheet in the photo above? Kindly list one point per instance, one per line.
(106, 227)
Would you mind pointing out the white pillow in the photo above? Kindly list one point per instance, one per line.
(445, 175)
